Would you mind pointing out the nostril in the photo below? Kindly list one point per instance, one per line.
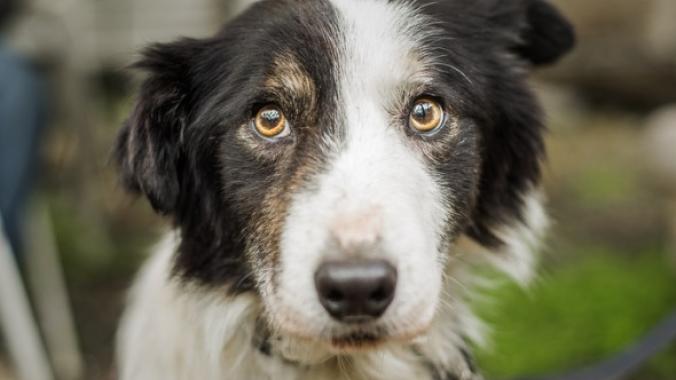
(334, 296)
(378, 295)
(356, 290)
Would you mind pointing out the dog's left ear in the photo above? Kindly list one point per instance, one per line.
(544, 35)
(534, 30)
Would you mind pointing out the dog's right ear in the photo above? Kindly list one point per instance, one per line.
(148, 149)
(547, 34)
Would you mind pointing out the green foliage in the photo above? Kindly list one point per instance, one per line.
(603, 183)
(578, 314)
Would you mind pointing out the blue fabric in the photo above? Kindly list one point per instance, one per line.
(22, 119)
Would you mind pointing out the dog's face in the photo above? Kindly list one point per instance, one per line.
(327, 154)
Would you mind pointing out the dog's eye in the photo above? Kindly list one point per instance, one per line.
(426, 115)
(270, 122)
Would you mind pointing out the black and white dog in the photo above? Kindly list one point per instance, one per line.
(333, 169)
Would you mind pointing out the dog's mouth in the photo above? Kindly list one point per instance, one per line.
(367, 338)
(358, 341)
(360, 338)
(346, 339)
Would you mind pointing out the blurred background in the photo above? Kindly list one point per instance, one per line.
(609, 268)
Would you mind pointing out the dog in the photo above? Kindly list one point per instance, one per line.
(334, 171)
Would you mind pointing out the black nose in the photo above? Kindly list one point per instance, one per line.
(356, 291)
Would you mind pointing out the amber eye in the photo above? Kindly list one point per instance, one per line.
(426, 115)
(270, 122)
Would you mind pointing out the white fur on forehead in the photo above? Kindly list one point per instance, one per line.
(378, 34)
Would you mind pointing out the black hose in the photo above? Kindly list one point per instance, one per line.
(627, 362)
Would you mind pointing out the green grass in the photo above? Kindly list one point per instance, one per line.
(579, 314)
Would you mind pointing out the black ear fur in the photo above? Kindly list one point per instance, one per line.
(148, 149)
(546, 36)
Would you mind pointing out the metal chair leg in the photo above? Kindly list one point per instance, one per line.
(16, 319)
(47, 285)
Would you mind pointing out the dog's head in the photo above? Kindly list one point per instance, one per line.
(328, 154)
